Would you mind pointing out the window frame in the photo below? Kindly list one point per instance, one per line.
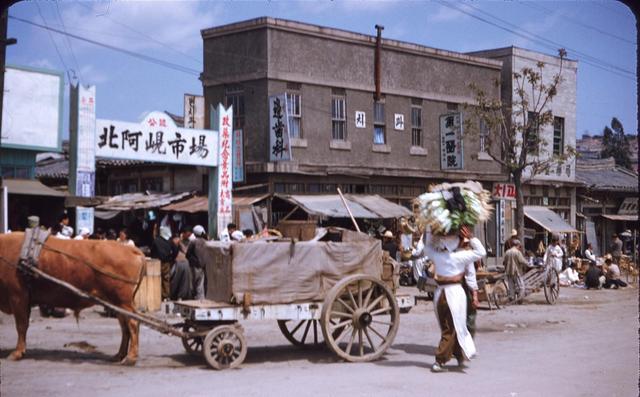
(379, 123)
(535, 128)
(337, 119)
(484, 133)
(291, 98)
(416, 127)
(560, 139)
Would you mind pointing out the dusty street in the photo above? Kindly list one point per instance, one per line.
(585, 345)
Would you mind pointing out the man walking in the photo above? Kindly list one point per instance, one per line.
(616, 248)
(196, 261)
(163, 249)
(514, 264)
(553, 255)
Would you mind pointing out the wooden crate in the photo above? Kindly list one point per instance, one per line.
(299, 230)
(148, 297)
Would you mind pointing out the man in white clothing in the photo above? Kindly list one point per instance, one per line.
(553, 255)
(452, 260)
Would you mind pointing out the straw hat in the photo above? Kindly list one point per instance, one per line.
(514, 232)
(388, 234)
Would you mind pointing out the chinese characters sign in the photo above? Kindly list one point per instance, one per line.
(398, 122)
(193, 111)
(156, 139)
(504, 191)
(225, 180)
(82, 140)
(451, 154)
(238, 156)
(361, 119)
(279, 148)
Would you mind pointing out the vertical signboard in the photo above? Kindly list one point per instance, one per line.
(193, 111)
(82, 162)
(84, 218)
(238, 156)
(224, 213)
(279, 147)
(4, 204)
(451, 154)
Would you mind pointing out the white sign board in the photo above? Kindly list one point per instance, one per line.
(84, 218)
(193, 111)
(279, 147)
(398, 122)
(225, 161)
(32, 109)
(360, 119)
(451, 154)
(156, 139)
(82, 138)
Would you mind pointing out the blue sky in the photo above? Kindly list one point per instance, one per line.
(595, 33)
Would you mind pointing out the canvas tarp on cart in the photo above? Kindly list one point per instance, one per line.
(285, 272)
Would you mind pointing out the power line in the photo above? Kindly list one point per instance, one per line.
(143, 57)
(577, 22)
(51, 37)
(144, 35)
(73, 55)
(626, 74)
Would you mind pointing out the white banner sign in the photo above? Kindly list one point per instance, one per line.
(156, 139)
(398, 122)
(225, 182)
(86, 128)
(32, 109)
(194, 111)
(279, 147)
(361, 119)
(451, 154)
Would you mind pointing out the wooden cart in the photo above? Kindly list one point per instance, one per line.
(537, 278)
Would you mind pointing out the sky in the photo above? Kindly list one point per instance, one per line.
(601, 35)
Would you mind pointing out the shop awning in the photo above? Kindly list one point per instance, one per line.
(361, 206)
(201, 203)
(548, 219)
(30, 187)
(135, 201)
(615, 217)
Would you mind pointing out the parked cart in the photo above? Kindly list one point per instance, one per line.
(537, 278)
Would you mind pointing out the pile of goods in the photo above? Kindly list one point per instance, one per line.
(449, 206)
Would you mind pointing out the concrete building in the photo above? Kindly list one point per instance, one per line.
(555, 188)
(328, 76)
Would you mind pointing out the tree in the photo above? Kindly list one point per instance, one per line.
(616, 145)
(513, 127)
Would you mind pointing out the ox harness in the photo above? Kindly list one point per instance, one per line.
(30, 251)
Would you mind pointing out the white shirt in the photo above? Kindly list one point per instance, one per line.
(451, 261)
(553, 257)
(589, 255)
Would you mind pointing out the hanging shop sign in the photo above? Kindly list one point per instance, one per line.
(360, 119)
(82, 137)
(156, 139)
(504, 191)
(279, 147)
(398, 122)
(238, 156)
(193, 111)
(225, 167)
(451, 152)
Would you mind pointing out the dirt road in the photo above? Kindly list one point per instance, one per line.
(585, 345)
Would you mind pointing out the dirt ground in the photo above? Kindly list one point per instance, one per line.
(585, 345)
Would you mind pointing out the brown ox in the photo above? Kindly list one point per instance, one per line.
(118, 275)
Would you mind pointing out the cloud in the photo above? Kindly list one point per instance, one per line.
(175, 24)
(539, 27)
(368, 5)
(447, 14)
(92, 76)
(42, 63)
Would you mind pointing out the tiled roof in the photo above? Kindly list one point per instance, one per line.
(603, 174)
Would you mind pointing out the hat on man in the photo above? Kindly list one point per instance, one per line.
(388, 234)
(33, 221)
(198, 230)
(514, 232)
(165, 232)
(608, 256)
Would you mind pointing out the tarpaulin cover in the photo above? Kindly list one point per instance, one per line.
(285, 272)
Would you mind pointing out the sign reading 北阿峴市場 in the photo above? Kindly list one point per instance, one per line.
(451, 154)
(156, 139)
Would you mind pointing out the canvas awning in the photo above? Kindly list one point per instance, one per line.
(361, 206)
(201, 203)
(135, 201)
(616, 217)
(548, 219)
(30, 187)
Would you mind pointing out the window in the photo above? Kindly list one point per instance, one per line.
(234, 96)
(338, 119)
(533, 133)
(379, 137)
(558, 136)
(416, 126)
(484, 133)
(295, 115)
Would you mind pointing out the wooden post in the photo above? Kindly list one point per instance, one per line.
(348, 210)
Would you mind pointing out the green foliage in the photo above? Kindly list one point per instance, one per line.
(616, 145)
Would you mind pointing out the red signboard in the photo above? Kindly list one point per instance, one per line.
(504, 191)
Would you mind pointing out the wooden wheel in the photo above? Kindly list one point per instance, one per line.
(500, 294)
(360, 318)
(551, 286)
(303, 333)
(225, 347)
(192, 345)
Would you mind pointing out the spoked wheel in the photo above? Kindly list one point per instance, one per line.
(551, 286)
(360, 318)
(302, 333)
(192, 345)
(500, 294)
(225, 347)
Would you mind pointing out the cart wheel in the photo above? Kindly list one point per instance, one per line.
(225, 347)
(552, 286)
(302, 333)
(192, 345)
(500, 294)
(359, 314)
